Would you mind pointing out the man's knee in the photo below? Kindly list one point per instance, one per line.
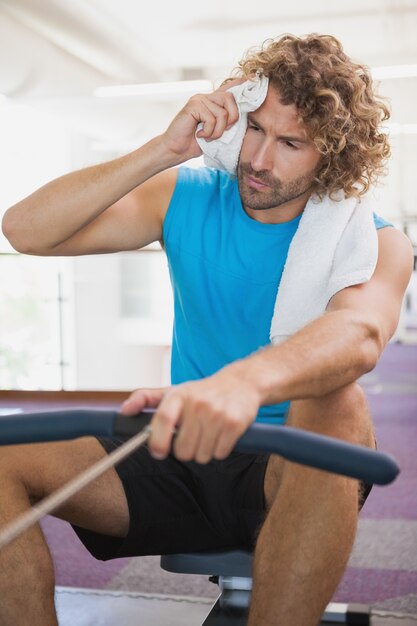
(11, 460)
(343, 414)
(16, 469)
(37, 470)
(44, 467)
(349, 398)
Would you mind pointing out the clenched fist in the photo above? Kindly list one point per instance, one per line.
(217, 112)
(209, 415)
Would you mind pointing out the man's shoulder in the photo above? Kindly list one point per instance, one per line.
(201, 195)
(395, 251)
(381, 222)
(394, 237)
(206, 177)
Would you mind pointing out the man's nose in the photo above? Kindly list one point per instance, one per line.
(262, 158)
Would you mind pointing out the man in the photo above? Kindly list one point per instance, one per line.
(226, 241)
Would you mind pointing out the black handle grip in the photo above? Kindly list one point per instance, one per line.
(321, 452)
(296, 445)
(55, 425)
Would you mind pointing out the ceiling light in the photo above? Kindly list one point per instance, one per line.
(394, 71)
(178, 88)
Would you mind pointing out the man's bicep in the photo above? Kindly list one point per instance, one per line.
(131, 223)
(152, 200)
(381, 297)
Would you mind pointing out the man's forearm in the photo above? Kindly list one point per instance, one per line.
(329, 353)
(65, 205)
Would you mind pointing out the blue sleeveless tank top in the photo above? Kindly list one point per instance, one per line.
(225, 269)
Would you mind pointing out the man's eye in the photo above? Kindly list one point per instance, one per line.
(252, 126)
(291, 145)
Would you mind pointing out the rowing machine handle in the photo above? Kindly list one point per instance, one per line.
(293, 444)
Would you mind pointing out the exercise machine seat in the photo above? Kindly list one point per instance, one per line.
(232, 563)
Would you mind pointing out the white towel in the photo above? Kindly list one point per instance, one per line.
(335, 245)
(223, 153)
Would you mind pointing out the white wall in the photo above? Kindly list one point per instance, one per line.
(114, 349)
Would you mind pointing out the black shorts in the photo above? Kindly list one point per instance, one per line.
(184, 507)
(178, 507)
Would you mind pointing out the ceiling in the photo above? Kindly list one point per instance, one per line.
(58, 52)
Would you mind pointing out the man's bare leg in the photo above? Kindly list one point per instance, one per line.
(307, 538)
(27, 474)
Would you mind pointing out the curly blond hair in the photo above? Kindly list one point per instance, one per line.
(336, 102)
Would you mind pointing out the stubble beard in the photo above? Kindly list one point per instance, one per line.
(277, 194)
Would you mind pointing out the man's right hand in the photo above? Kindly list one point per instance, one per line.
(217, 112)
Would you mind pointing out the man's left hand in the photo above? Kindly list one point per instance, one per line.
(209, 415)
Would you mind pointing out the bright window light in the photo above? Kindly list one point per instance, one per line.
(394, 71)
(401, 129)
(182, 87)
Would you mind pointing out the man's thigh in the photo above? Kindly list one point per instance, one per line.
(44, 467)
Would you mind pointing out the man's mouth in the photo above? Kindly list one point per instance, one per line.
(254, 183)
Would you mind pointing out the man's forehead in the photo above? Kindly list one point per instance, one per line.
(283, 118)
